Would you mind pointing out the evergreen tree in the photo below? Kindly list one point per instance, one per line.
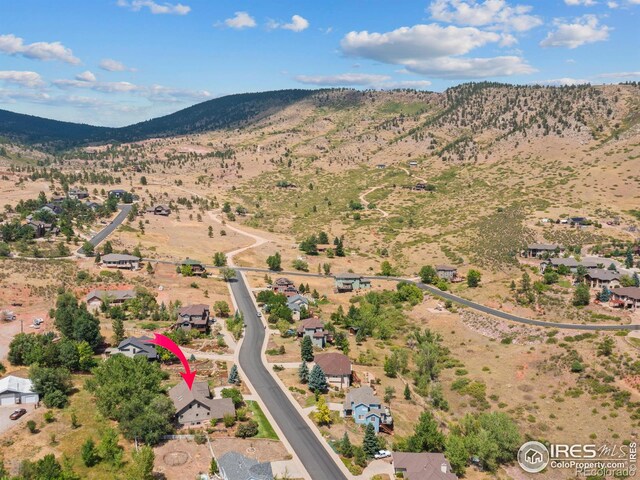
(370, 442)
(118, 330)
(234, 376)
(581, 295)
(407, 392)
(346, 449)
(303, 372)
(605, 295)
(391, 366)
(306, 349)
(89, 453)
(628, 261)
(317, 380)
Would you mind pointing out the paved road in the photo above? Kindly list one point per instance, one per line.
(514, 318)
(108, 230)
(306, 445)
(456, 299)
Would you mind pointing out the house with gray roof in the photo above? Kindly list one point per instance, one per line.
(235, 466)
(135, 347)
(625, 297)
(296, 303)
(598, 278)
(571, 263)
(447, 272)
(121, 260)
(17, 390)
(351, 282)
(537, 250)
(95, 298)
(422, 466)
(197, 405)
(365, 407)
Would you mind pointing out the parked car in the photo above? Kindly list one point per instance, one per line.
(259, 314)
(38, 321)
(382, 454)
(17, 414)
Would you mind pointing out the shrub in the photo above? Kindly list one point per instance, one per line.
(246, 430)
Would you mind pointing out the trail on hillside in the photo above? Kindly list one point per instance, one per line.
(366, 203)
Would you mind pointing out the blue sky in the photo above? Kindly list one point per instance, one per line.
(116, 62)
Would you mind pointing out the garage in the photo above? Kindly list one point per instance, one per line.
(16, 390)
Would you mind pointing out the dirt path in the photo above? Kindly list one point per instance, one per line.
(258, 240)
(366, 203)
(423, 180)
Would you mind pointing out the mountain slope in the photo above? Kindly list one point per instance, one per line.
(224, 112)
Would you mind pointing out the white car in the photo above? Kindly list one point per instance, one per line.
(382, 454)
(259, 314)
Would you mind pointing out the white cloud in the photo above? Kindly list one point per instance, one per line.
(343, 79)
(585, 29)
(111, 65)
(435, 50)
(156, 93)
(619, 75)
(497, 14)
(612, 4)
(413, 84)
(297, 24)
(22, 78)
(165, 8)
(240, 20)
(584, 3)
(12, 45)
(360, 80)
(562, 82)
(86, 76)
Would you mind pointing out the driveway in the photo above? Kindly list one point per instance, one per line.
(8, 330)
(6, 423)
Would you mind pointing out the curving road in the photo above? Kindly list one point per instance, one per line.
(306, 445)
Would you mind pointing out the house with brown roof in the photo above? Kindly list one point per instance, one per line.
(159, 210)
(197, 405)
(314, 328)
(284, 286)
(336, 367)
(598, 277)
(422, 466)
(625, 297)
(194, 316)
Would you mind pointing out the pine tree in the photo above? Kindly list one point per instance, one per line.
(605, 295)
(317, 380)
(370, 442)
(118, 330)
(303, 372)
(234, 376)
(306, 349)
(628, 262)
(89, 453)
(407, 392)
(346, 449)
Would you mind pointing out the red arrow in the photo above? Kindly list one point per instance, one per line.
(166, 342)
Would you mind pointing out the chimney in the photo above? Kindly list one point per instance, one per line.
(443, 467)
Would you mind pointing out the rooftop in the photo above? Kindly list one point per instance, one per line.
(334, 364)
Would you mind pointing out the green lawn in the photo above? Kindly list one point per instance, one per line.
(265, 430)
